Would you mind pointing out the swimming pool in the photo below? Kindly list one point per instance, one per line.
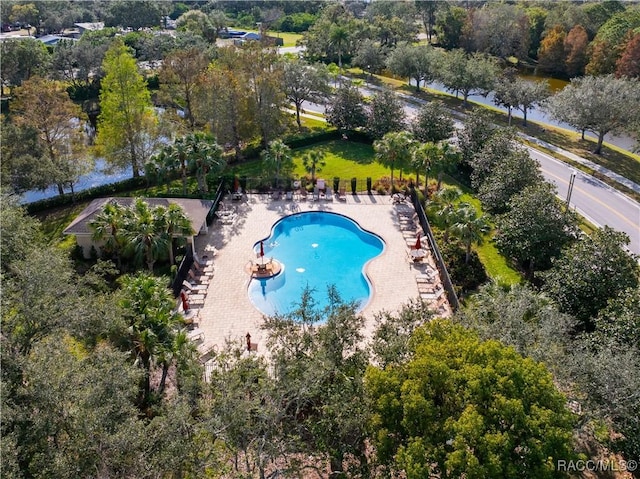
(315, 249)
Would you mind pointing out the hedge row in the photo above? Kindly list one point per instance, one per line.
(127, 185)
(88, 194)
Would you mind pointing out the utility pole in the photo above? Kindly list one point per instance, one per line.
(572, 180)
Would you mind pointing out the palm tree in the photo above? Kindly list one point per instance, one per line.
(175, 224)
(145, 231)
(338, 35)
(394, 149)
(109, 226)
(277, 157)
(177, 158)
(445, 202)
(159, 166)
(149, 309)
(313, 163)
(446, 157)
(421, 158)
(469, 227)
(204, 156)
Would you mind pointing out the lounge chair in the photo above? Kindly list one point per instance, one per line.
(194, 287)
(289, 195)
(342, 194)
(237, 195)
(328, 195)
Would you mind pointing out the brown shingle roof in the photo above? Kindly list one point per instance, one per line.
(195, 210)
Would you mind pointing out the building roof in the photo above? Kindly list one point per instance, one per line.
(251, 36)
(90, 26)
(53, 39)
(195, 210)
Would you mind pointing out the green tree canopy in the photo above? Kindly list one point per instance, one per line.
(467, 74)
(20, 59)
(600, 104)
(304, 82)
(535, 228)
(385, 114)
(180, 76)
(346, 110)
(126, 124)
(432, 123)
(590, 272)
(45, 106)
(415, 62)
(465, 407)
(509, 177)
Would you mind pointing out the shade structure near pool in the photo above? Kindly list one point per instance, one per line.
(316, 250)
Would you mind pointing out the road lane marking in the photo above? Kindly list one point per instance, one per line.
(606, 206)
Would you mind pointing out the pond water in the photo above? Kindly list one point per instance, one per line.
(97, 177)
(536, 114)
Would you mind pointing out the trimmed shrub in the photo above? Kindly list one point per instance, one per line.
(465, 277)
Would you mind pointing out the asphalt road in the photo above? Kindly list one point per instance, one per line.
(594, 200)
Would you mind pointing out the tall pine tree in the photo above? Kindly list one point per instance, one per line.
(127, 123)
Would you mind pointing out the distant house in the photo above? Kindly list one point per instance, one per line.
(91, 27)
(196, 210)
(253, 36)
(51, 40)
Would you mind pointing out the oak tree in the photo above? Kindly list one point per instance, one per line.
(535, 228)
(437, 414)
(602, 104)
(45, 107)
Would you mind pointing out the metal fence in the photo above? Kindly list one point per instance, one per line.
(187, 261)
(444, 274)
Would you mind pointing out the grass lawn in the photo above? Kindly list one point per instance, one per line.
(496, 265)
(344, 159)
(289, 39)
(56, 220)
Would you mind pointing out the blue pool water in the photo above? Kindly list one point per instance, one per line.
(316, 249)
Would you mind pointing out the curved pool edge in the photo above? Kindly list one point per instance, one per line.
(364, 270)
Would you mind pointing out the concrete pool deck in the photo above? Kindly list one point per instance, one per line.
(227, 312)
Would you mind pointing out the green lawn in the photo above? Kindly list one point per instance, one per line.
(495, 264)
(56, 220)
(344, 159)
(289, 39)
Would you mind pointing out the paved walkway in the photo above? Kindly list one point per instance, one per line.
(227, 312)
